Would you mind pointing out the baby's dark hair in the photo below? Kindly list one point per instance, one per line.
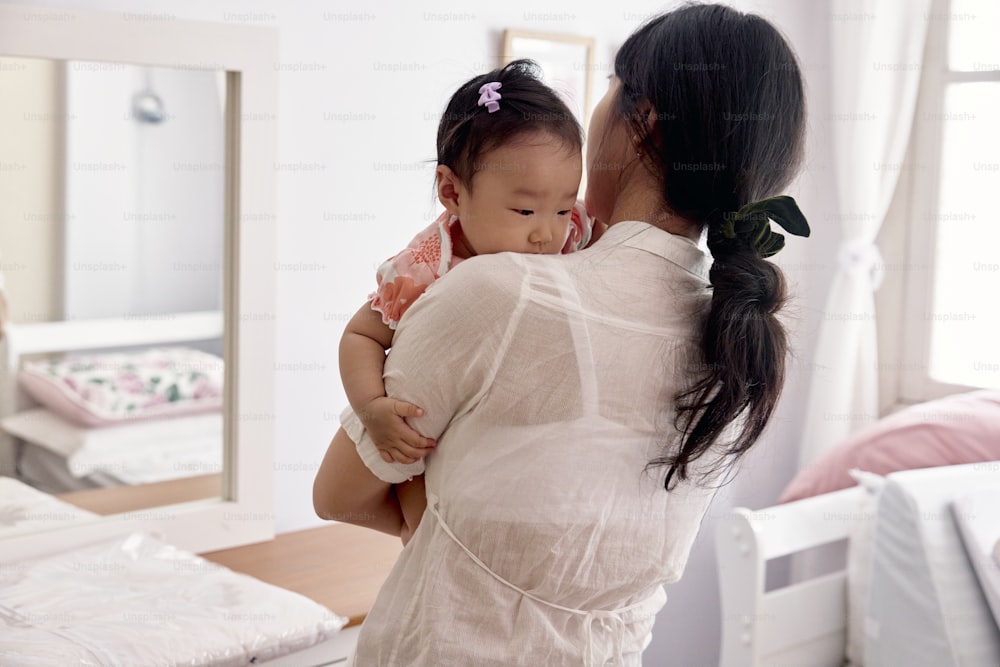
(468, 132)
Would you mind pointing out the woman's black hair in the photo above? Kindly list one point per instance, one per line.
(729, 129)
(467, 131)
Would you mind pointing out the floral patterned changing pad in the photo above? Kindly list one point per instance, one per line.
(109, 388)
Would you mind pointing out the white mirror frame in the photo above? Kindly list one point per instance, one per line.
(244, 512)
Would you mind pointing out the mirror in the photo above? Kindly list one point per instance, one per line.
(114, 202)
(566, 62)
(131, 194)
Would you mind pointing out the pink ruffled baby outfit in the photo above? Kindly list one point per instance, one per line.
(404, 277)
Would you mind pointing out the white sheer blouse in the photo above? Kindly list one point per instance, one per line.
(549, 382)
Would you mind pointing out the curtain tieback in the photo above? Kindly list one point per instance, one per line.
(858, 257)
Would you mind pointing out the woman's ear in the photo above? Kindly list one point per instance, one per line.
(651, 117)
(648, 112)
(449, 188)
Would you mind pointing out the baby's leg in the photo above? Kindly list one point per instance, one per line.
(412, 497)
(346, 490)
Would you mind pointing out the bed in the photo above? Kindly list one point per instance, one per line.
(56, 454)
(135, 595)
(920, 583)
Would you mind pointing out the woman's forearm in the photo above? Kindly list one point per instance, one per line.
(346, 490)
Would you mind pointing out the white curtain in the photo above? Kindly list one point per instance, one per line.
(877, 51)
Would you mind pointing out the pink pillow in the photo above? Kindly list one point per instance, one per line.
(105, 389)
(962, 428)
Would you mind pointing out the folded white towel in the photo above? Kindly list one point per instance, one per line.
(137, 601)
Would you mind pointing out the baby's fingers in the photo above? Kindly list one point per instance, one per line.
(422, 445)
(409, 452)
(400, 457)
(404, 409)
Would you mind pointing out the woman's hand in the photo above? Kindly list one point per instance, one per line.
(385, 419)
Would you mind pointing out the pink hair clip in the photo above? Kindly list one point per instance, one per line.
(488, 96)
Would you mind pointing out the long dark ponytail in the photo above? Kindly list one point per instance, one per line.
(729, 130)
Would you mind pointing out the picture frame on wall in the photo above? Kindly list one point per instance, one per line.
(567, 62)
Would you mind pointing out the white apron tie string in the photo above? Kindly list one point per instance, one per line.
(606, 618)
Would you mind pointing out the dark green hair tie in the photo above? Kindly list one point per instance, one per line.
(751, 226)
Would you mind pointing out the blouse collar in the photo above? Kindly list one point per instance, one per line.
(678, 250)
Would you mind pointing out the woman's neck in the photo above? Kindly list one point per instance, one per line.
(639, 200)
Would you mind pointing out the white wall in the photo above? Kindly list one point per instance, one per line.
(144, 201)
(361, 89)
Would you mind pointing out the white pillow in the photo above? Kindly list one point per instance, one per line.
(43, 427)
(135, 452)
(925, 606)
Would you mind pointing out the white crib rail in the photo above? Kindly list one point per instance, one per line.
(802, 624)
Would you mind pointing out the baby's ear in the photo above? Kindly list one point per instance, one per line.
(449, 188)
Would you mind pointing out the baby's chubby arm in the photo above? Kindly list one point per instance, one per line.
(362, 359)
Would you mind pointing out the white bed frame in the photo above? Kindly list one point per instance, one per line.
(20, 340)
(802, 624)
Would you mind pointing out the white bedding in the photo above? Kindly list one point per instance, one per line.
(27, 510)
(137, 601)
(134, 453)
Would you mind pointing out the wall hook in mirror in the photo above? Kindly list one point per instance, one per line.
(147, 106)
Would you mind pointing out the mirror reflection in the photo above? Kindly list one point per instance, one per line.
(111, 259)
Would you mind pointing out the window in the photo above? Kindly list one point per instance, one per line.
(951, 323)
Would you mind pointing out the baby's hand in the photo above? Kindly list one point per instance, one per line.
(395, 440)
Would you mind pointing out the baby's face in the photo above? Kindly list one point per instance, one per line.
(523, 197)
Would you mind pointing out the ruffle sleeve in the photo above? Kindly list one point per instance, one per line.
(580, 228)
(404, 277)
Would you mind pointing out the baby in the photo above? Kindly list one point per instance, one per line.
(509, 168)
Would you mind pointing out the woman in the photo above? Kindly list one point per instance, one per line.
(586, 406)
